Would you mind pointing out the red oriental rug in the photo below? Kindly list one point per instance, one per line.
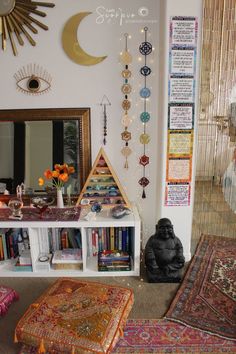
(206, 297)
(161, 336)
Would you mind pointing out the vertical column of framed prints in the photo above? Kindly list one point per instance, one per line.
(181, 109)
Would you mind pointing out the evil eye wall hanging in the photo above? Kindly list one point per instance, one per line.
(145, 49)
(126, 59)
(33, 80)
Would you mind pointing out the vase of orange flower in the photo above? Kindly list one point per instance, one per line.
(57, 177)
(60, 201)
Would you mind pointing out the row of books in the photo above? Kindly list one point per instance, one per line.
(61, 238)
(108, 238)
(12, 242)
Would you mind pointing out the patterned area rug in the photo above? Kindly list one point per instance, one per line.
(206, 297)
(161, 336)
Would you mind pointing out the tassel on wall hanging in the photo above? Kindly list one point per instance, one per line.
(104, 103)
(145, 49)
(126, 59)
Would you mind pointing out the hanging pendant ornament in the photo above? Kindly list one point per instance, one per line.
(126, 120)
(144, 160)
(104, 103)
(144, 182)
(126, 59)
(126, 151)
(145, 49)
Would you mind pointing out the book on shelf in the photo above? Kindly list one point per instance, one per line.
(110, 268)
(61, 238)
(25, 257)
(113, 260)
(67, 266)
(59, 258)
(22, 267)
(1, 249)
(108, 238)
(71, 253)
(108, 255)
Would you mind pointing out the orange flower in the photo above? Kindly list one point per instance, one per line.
(48, 174)
(55, 174)
(71, 170)
(65, 166)
(63, 177)
(57, 167)
(41, 181)
(58, 176)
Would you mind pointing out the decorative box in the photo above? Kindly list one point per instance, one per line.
(75, 316)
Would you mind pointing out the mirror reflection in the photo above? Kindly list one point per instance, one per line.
(29, 147)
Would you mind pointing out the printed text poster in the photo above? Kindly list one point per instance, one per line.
(181, 89)
(184, 31)
(180, 115)
(180, 143)
(177, 194)
(179, 170)
(182, 61)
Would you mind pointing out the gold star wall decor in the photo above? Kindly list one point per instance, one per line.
(16, 20)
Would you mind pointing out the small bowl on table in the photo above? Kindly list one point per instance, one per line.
(42, 203)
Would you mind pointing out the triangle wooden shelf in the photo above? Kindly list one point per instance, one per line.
(102, 185)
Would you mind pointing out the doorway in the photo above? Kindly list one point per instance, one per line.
(215, 188)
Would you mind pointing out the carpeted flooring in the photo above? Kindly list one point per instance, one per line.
(151, 301)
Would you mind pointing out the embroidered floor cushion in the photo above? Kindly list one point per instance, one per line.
(7, 296)
(75, 316)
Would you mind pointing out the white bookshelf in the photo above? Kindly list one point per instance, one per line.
(38, 235)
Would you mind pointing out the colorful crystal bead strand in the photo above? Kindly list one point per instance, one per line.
(126, 59)
(105, 102)
(145, 49)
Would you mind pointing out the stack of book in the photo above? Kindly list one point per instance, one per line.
(113, 261)
(68, 258)
(24, 262)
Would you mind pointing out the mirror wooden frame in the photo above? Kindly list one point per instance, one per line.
(80, 114)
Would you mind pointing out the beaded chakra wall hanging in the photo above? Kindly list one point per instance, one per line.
(126, 59)
(145, 49)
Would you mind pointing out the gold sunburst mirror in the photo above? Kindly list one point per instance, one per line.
(16, 20)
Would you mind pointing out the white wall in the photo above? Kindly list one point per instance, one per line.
(80, 86)
(181, 217)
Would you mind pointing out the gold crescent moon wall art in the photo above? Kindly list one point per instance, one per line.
(71, 45)
(16, 19)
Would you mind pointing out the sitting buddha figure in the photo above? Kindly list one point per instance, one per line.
(164, 254)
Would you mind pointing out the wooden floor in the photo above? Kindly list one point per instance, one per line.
(211, 214)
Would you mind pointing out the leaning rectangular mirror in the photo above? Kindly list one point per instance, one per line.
(32, 140)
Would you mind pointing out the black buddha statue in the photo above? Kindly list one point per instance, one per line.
(164, 254)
